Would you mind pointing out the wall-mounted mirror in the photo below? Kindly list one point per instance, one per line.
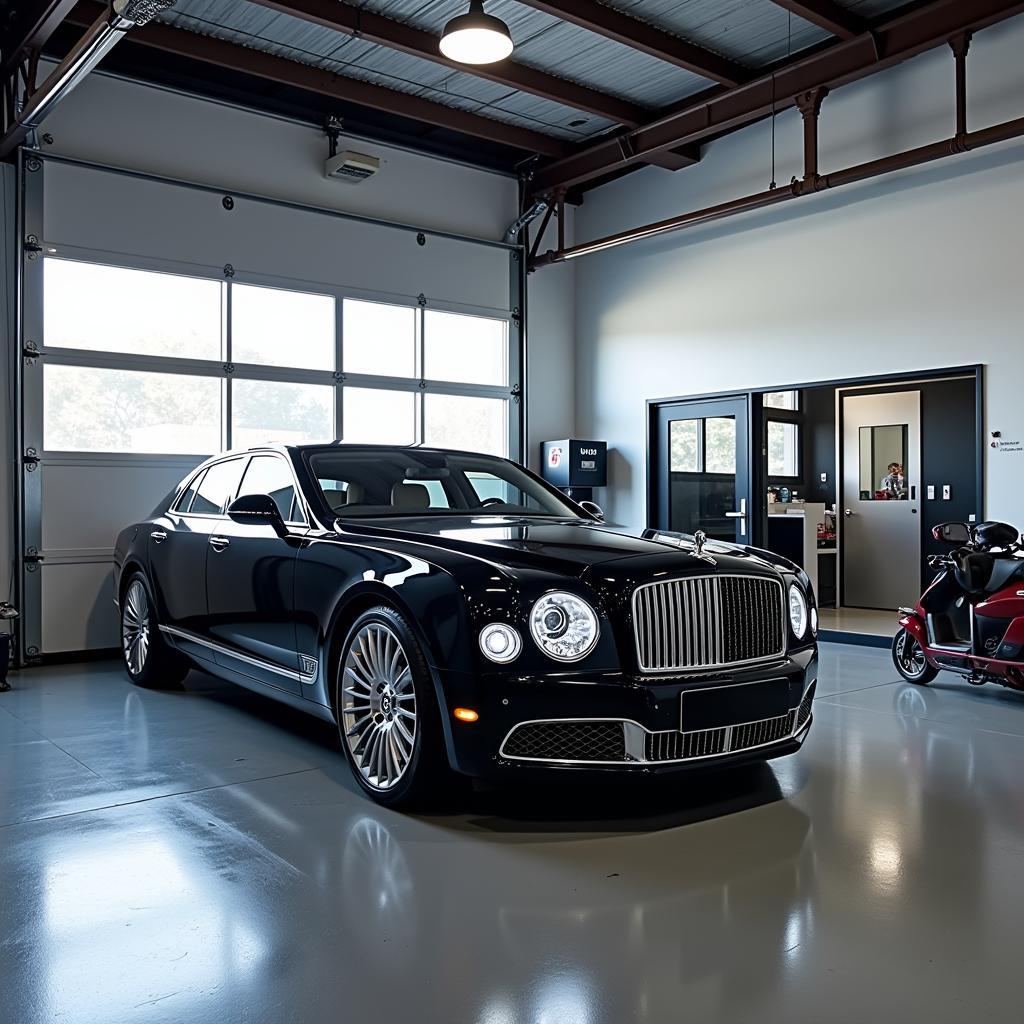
(883, 463)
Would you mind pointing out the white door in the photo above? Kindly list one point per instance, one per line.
(881, 528)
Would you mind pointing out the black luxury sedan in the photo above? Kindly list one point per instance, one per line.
(455, 614)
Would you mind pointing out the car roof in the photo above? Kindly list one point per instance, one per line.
(342, 446)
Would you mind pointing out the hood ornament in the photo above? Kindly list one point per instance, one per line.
(700, 538)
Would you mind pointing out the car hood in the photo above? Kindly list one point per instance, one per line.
(568, 548)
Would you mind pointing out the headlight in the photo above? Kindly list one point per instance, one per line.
(797, 611)
(500, 643)
(564, 626)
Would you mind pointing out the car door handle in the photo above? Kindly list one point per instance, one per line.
(219, 543)
(159, 536)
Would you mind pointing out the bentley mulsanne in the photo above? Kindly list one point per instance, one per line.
(456, 616)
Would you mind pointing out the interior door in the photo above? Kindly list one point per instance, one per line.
(880, 534)
(700, 463)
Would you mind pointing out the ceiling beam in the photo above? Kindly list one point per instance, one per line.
(639, 35)
(827, 15)
(887, 44)
(246, 60)
(365, 24)
(33, 24)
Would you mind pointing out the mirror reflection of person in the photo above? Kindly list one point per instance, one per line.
(894, 481)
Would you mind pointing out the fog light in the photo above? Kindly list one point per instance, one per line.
(814, 621)
(465, 714)
(500, 642)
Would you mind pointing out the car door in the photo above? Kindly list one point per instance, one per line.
(250, 581)
(178, 545)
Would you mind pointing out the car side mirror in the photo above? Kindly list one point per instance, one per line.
(952, 533)
(257, 510)
(593, 508)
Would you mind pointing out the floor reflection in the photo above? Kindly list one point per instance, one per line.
(874, 874)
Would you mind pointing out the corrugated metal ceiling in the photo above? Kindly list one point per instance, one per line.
(751, 32)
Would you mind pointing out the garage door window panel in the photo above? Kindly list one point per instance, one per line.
(465, 349)
(155, 314)
(277, 327)
(376, 416)
(466, 423)
(379, 338)
(266, 411)
(94, 409)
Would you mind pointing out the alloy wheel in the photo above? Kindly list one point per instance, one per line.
(910, 655)
(378, 706)
(135, 627)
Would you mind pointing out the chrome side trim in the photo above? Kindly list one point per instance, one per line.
(695, 645)
(634, 735)
(248, 659)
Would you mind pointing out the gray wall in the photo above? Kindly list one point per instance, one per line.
(912, 271)
(7, 312)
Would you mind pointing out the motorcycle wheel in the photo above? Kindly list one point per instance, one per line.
(909, 659)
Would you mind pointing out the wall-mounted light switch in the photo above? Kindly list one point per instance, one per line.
(947, 492)
(931, 492)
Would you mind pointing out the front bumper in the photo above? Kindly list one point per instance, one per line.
(614, 722)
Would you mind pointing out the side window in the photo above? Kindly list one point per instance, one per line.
(183, 502)
(268, 474)
(217, 486)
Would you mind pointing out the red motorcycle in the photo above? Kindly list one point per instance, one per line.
(970, 620)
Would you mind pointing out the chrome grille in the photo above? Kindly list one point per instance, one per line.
(679, 746)
(566, 741)
(708, 621)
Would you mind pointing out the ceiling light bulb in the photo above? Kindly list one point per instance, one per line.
(476, 37)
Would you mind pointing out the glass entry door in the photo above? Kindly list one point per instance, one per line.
(700, 468)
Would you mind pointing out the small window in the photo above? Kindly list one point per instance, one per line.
(470, 349)
(470, 424)
(720, 444)
(264, 411)
(783, 448)
(268, 474)
(276, 327)
(371, 416)
(781, 400)
(379, 338)
(183, 502)
(217, 487)
(684, 446)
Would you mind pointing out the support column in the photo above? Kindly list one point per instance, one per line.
(960, 45)
(809, 105)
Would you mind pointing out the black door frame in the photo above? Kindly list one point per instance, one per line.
(758, 485)
(702, 409)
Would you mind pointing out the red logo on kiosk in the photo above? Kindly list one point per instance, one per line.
(554, 457)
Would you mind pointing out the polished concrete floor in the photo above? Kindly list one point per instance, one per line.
(205, 857)
(859, 620)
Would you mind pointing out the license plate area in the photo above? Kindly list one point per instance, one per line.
(714, 706)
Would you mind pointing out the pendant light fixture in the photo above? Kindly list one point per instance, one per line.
(476, 37)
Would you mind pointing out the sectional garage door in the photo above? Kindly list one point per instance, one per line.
(163, 322)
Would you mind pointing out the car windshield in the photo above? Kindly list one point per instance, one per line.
(366, 483)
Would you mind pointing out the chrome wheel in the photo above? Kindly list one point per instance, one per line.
(135, 627)
(378, 705)
(909, 656)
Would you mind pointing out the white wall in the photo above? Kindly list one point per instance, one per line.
(917, 270)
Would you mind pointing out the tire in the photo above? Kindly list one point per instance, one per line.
(149, 661)
(910, 660)
(387, 713)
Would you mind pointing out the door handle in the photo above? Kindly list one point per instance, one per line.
(847, 512)
(219, 543)
(159, 536)
(741, 514)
